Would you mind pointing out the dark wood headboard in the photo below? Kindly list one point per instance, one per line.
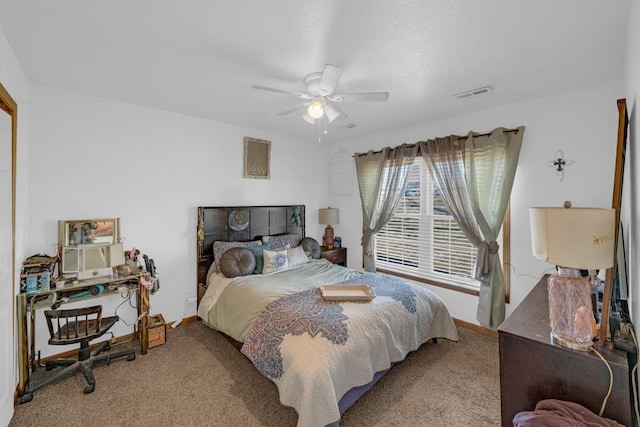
(241, 223)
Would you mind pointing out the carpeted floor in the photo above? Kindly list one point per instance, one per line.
(197, 378)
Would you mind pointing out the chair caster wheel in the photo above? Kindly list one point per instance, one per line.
(25, 398)
(89, 388)
(131, 357)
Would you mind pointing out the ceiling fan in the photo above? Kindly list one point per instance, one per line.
(320, 100)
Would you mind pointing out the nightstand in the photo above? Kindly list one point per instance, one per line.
(335, 255)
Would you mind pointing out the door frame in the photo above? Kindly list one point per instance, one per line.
(9, 105)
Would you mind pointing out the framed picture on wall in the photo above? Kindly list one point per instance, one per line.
(257, 156)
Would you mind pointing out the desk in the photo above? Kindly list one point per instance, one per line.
(532, 368)
(27, 304)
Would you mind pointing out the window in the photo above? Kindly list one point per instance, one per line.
(423, 242)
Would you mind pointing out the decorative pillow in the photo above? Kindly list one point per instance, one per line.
(237, 262)
(296, 256)
(258, 254)
(280, 248)
(281, 240)
(220, 247)
(311, 245)
(275, 261)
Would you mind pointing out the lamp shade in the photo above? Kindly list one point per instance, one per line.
(580, 238)
(331, 113)
(329, 216)
(307, 118)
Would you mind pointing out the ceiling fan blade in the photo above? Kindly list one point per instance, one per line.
(288, 92)
(329, 80)
(332, 112)
(360, 97)
(292, 109)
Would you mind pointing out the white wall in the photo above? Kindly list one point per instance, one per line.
(583, 124)
(630, 214)
(95, 158)
(15, 82)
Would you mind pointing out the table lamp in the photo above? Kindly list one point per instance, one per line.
(328, 216)
(574, 239)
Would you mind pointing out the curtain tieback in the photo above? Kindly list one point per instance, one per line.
(493, 247)
(483, 266)
(366, 241)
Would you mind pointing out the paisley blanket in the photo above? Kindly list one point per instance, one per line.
(233, 305)
(316, 350)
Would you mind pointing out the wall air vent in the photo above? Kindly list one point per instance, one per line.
(474, 92)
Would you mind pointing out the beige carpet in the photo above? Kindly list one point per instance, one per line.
(199, 379)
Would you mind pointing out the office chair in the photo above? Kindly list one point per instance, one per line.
(78, 325)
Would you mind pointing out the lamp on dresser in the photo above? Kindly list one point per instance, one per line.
(574, 239)
(328, 216)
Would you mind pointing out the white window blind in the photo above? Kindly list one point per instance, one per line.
(423, 240)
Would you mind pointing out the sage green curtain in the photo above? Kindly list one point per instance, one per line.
(445, 161)
(475, 175)
(381, 178)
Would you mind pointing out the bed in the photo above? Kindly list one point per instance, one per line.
(321, 353)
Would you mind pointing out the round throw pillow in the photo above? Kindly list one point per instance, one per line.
(237, 262)
(311, 246)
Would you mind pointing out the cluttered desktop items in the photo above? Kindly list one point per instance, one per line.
(90, 262)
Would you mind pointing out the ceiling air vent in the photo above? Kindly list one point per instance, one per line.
(474, 92)
(348, 126)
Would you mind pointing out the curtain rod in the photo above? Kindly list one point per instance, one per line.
(459, 138)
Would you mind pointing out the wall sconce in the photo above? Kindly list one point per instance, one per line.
(574, 239)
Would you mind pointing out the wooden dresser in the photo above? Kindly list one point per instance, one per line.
(533, 369)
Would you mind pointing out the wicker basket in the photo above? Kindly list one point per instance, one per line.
(157, 330)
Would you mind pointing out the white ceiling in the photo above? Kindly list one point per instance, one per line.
(200, 57)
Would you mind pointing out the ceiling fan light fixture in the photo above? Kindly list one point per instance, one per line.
(307, 118)
(316, 109)
(331, 113)
(320, 101)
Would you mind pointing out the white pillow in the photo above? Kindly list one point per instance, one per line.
(297, 256)
(275, 261)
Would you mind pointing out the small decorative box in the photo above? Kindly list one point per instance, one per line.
(157, 330)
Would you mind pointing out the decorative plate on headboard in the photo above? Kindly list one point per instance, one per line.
(239, 219)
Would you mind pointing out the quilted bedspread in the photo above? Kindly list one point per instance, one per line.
(233, 305)
(316, 350)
